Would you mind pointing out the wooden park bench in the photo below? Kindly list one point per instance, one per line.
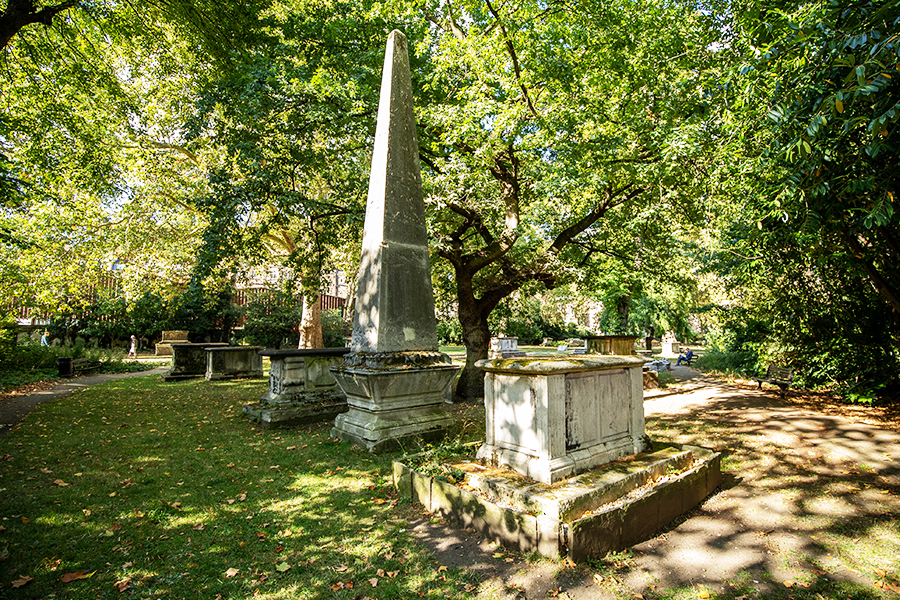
(780, 376)
(79, 365)
(85, 365)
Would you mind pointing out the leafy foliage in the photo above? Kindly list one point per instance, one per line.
(271, 319)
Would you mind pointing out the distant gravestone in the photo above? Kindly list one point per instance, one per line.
(177, 336)
(189, 361)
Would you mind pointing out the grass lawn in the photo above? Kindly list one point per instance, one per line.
(166, 490)
(137, 488)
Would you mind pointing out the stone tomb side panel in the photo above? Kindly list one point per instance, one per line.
(517, 414)
(598, 407)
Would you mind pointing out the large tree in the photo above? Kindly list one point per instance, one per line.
(540, 120)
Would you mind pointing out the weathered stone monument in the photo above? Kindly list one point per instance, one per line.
(670, 345)
(566, 467)
(189, 360)
(395, 377)
(505, 347)
(177, 336)
(301, 388)
(230, 362)
(550, 419)
(622, 345)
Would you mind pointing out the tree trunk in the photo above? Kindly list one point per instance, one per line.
(477, 339)
(623, 303)
(311, 323)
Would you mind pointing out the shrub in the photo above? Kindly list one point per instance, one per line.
(334, 329)
(271, 319)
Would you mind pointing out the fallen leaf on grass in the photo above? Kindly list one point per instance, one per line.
(569, 563)
(789, 583)
(884, 585)
(441, 569)
(70, 577)
(598, 579)
(373, 581)
(60, 483)
(341, 585)
(23, 580)
(232, 572)
(282, 567)
(703, 594)
(123, 585)
(341, 569)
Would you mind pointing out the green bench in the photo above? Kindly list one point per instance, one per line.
(780, 376)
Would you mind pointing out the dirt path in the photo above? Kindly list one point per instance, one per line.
(14, 407)
(797, 484)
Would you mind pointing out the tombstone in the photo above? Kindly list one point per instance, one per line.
(164, 347)
(505, 347)
(670, 345)
(670, 348)
(622, 345)
(301, 388)
(230, 362)
(189, 361)
(549, 418)
(395, 377)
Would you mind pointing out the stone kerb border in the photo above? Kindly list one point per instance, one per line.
(613, 527)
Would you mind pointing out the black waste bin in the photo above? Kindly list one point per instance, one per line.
(64, 364)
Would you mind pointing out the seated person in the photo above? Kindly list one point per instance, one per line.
(687, 358)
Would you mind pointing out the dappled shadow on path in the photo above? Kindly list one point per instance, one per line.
(817, 495)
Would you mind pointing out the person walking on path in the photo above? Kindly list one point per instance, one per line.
(132, 352)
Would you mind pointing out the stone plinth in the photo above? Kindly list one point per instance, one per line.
(607, 509)
(390, 406)
(621, 345)
(229, 362)
(164, 347)
(671, 349)
(551, 418)
(301, 388)
(189, 361)
(505, 347)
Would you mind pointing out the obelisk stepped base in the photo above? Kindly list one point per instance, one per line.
(393, 407)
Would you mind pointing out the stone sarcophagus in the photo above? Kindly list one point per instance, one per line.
(295, 373)
(189, 361)
(550, 418)
(164, 347)
(622, 345)
(229, 362)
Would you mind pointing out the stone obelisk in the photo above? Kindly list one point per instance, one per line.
(394, 378)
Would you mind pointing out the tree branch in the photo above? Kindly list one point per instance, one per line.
(20, 13)
(515, 60)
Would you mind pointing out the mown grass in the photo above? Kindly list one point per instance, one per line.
(168, 491)
(149, 490)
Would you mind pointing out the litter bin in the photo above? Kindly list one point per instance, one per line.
(64, 364)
